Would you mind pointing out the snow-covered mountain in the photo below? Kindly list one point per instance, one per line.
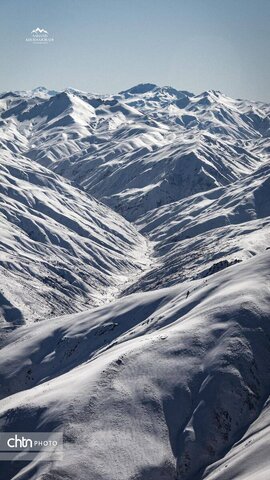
(145, 147)
(201, 234)
(61, 250)
(153, 386)
(134, 282)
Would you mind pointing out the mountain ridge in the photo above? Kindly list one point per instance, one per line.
(134, 282)
(84, 137)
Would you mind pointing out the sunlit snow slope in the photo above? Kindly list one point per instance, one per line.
(61, 250)
(142, 148)
(204, 233)
(154, 386)
(134, 283)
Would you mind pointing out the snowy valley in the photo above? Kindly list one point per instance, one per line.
(134, 282)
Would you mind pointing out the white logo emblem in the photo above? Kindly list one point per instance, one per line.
(40, 36)
(39, 30)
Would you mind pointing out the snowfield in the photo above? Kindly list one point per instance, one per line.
(61, 250)
(143, 148)
(153, 386)
(203, 233)
(134, 283)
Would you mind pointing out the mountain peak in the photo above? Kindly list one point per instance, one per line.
(139, 89)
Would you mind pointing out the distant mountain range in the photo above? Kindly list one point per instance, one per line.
(134, 282)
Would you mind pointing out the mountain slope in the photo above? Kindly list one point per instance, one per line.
(157, 384)
(201, 234)
(146, 343)
(142, 148)
(61, 250)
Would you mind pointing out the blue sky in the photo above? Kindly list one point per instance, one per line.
(109, 45)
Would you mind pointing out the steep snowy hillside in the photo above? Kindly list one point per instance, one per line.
(142, 148)
(207, 232)
(61, 250)
(154, 386)
(136, 320)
